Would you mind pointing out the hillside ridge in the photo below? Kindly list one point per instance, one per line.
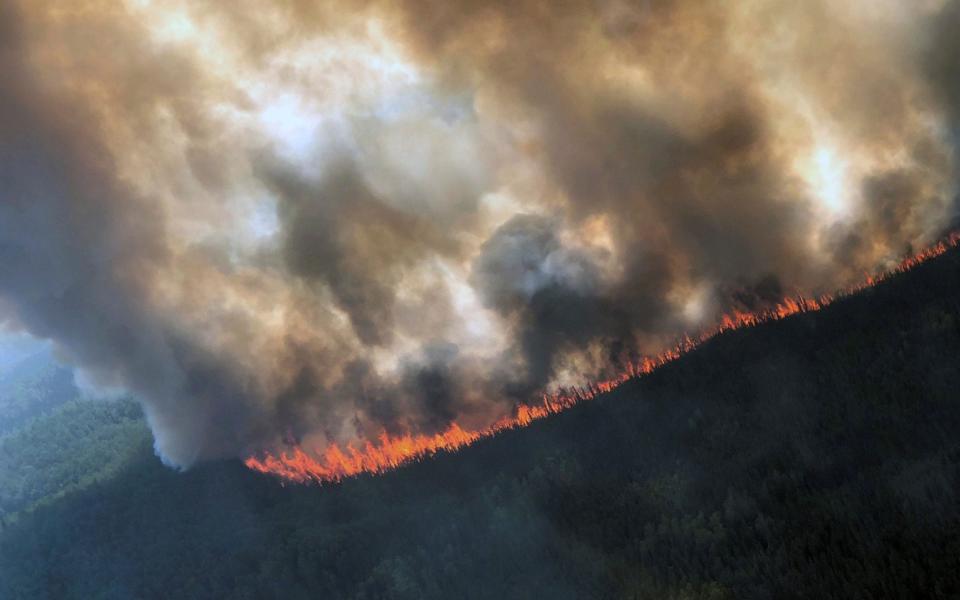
(749, 468)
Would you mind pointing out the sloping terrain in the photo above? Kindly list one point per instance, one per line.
(68, 448)
(31, 387)
(815, 457)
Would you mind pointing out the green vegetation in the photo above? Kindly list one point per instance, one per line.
(817, 457)
(76, 444)
(31, 388)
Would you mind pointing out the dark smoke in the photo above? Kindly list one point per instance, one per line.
(308, 222)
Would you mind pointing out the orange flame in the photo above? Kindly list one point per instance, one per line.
(390, 452)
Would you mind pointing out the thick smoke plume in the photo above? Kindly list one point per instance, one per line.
(316, 221)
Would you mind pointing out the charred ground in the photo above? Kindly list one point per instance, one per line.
(813, 457)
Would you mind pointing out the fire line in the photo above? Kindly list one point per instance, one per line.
(390, 452)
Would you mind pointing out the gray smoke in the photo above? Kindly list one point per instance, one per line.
(312, 222)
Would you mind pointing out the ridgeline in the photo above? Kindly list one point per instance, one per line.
(814, 457)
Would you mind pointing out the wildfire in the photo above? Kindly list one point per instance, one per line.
(389, 452)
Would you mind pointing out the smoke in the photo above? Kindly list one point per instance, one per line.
(313, 222)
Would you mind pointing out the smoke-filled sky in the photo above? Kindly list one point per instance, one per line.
(314, 221)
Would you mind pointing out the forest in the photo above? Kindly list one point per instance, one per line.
(813, 457)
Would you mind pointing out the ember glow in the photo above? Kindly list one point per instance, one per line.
(390, 452)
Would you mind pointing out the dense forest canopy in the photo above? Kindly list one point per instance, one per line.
(651, 299)
(815, 457)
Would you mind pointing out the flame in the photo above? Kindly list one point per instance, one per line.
(389, 452)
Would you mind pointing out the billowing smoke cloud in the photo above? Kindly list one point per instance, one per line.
(317, 221)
